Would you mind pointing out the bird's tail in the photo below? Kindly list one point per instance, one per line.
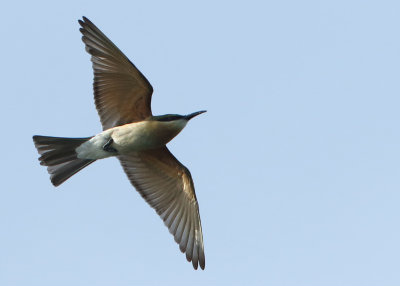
(60, 157)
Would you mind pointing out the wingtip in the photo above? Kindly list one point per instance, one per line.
(54, 182)
(202, 264)
(84, 21)
(197, 264)
(202, 258)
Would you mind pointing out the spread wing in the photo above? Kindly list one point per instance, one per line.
(168, 187)
(121, 92)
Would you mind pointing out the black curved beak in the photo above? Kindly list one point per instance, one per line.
(191, 115)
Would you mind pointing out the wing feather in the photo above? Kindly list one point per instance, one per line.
(167, 186)
(122, 94)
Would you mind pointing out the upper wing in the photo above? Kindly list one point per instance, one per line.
(168, 187)
(121, 92)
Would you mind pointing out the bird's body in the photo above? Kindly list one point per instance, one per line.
(137, 138)
(132, 137)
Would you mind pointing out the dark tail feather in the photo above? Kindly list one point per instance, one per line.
(59, 155)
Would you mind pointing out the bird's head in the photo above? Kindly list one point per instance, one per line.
(169, 125)
(177, 117)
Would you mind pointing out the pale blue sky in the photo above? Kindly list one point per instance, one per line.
(296, 164)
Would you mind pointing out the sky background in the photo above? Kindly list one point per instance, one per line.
(296, 164)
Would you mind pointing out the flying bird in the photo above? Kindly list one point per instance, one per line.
(137, 138)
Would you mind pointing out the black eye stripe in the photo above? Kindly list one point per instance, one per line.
(170, 118)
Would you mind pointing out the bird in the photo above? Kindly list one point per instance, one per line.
(135, 136)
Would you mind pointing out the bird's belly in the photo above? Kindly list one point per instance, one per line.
(140, 136)
(132, 138)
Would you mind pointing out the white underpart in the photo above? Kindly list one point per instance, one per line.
(93, 149)
(129, 138)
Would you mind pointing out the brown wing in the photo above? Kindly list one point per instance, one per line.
(168, 187)
(121, 93)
